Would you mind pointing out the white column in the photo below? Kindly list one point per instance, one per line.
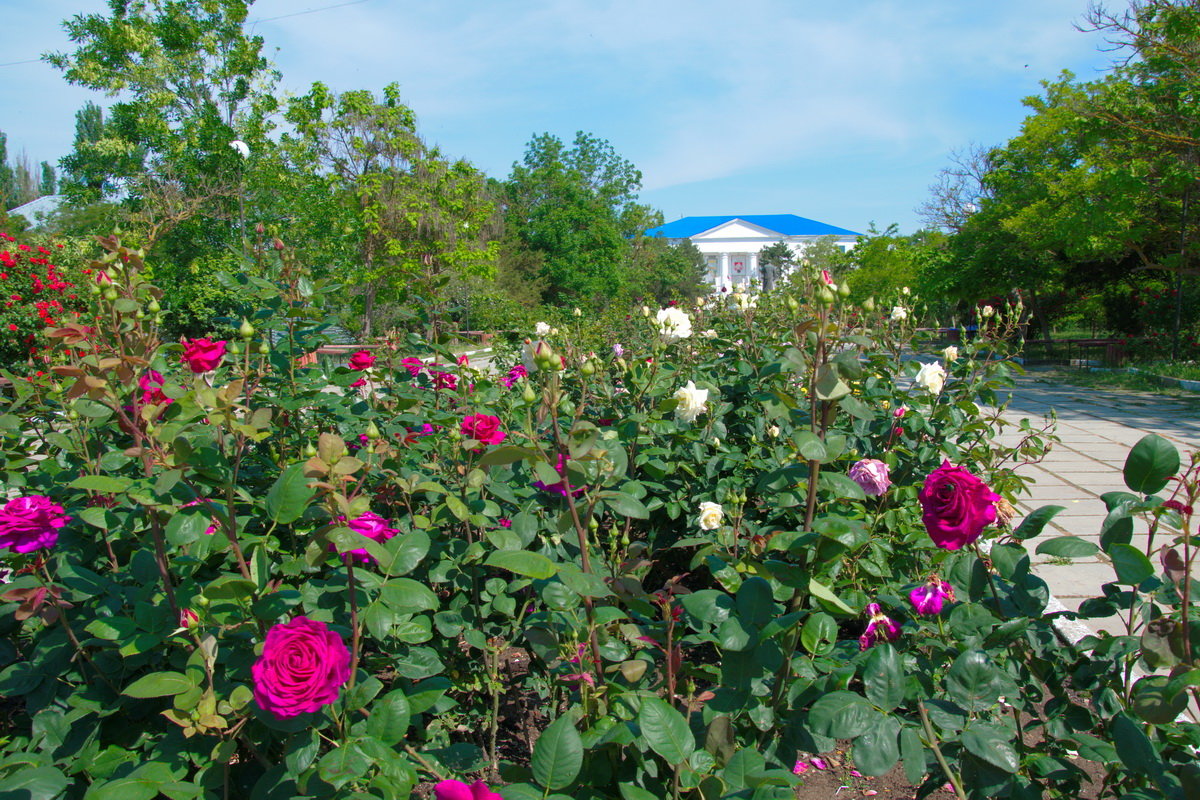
(723, 272)
(752, 269)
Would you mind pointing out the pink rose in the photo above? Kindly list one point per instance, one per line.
(483, 428)
(413, 365)
(956, 506)
(444, 380)
(929, 597)
(363, 359)
(303, 667)
(202, 355)
(872, 475)
(372, 526)
(30, 523)
(151, 385)
(457, 790)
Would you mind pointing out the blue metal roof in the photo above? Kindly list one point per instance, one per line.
(782, 224)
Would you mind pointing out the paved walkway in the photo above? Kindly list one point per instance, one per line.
(1097, 428)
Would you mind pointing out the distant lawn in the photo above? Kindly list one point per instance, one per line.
(1110, 379)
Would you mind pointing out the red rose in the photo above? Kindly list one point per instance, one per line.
(956, 506)
(483, 428)
(202, 355)
(363, 359)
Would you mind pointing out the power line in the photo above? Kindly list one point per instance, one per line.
(309, 11)
(251, 22)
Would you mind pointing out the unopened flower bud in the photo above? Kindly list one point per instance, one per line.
(645, 311)
(246, 330)
(588, 368)
(259, 229)
(793, 304)
(277, 243)
(309, 450)
(153, 307)
(529, 395)
(869, 305)
(843, 290)
(110, 294)
(824, 296)
(264, 348)
(234, 348)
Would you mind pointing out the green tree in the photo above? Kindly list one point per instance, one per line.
(8, 185)
(418, 219)
(49, 182)
(577, 206)
(775, 261)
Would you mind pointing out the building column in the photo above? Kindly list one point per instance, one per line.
(723, 272)
(752, 270)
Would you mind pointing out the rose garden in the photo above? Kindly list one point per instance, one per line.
(691, 553)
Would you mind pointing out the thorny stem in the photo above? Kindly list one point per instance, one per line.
(955, 781)
(354, 633)
(423, 762)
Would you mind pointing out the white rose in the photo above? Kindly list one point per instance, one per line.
(899, 313)
(711, 516)
(577, 312)
(709, 334)
(987, 311)
(950, 354)
(241, 147)
(692, 402)
(773, 431)
(904, 290)
(673, 324)
(932, 377)
(542, 329)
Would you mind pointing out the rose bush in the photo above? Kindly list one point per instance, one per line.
(562, 586)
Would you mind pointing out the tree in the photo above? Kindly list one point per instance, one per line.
(418, 218)
(959, 190)
(190, 81)
(577, 206)
(49, 182)
(775, 261)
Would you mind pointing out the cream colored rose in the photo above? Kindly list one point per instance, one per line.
(932, 377)
(987, 312)
(950, 354)
(692, 402)
(899, 313)
(542, 329)
(709, 334)
(773, 431)
(711, 516)
(673, 324)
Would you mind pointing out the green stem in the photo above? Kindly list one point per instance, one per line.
(952, 776)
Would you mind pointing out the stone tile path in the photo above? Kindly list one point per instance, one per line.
(1097, 428)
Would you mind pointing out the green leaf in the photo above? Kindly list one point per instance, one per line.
(974, 682)
(105, 484)
(523, 562)
(828, 385)
(35, 783)
(809, 445)
(819, 634)
(883, 678)
(877, 750)
(406, 596)
(666, 731)
(558, 754)
(289, 495)
(505, 455)
(1154, 701)
(626, 505)
(841, 715)
(1067, 547)
(343, 764)
(1134, 748)
(389, 718)
(1150, 463)
(1033, 524)
(1131, 564)
(159, 684)
(823, 592)
(993, 746)
(913, 754)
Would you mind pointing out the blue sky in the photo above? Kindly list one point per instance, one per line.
(843, 112)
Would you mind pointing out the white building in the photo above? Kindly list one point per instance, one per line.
(730, 244)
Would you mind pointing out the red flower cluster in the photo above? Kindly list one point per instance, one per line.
(36, 294)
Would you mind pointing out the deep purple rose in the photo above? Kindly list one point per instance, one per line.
(303, 667)
(872, 475)
(30, 523)
(880, 628)
(956, 506)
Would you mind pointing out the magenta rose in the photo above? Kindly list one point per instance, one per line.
(483, 428)
(303, 667)
(457, 790)
(956, 506)
(880, 628)
(363, 359)
(372, 526)
(151, 385)
(202, 355)
(30, 523)
(929, 597)
(872, 475)
(413, 365)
